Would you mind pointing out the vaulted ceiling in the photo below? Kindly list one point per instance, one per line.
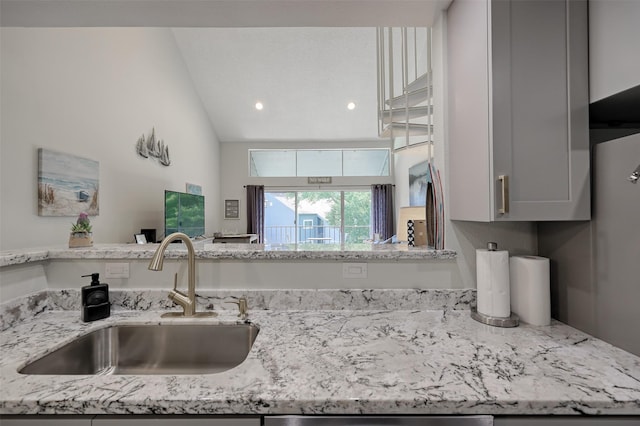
(304, 60)
(304, 77)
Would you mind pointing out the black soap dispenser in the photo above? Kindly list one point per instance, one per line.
(95, 299)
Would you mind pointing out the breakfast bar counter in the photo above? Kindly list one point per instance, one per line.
(206, 250)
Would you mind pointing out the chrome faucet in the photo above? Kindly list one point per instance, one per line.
(187, 301)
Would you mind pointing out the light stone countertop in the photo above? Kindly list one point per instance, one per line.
(206, 250)
(339, 361)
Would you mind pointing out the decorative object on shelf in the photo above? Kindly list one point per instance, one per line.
(140, 238)
(149, 235)
(425, 189)
(435, 201)
(149, 147)
(194, 189)
(67, 184)
(81, 235)
(410, 233)
(232, 209)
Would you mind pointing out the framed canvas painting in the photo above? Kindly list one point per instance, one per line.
(67, 184)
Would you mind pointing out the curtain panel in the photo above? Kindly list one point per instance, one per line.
(382, 210)
(255, 211)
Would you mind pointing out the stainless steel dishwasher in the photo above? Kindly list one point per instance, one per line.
(378, 420)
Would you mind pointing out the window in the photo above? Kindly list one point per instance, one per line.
(319, 162)
(272, 163)
(317, 218)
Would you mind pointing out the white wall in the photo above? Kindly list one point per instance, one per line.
(92, 92)
(237, 274)
(614, 62)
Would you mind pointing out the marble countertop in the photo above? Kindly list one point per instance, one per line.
(227, 251)
(343, 361)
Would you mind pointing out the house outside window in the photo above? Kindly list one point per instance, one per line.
(316, 219)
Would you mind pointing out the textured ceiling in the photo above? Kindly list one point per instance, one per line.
(305, 77)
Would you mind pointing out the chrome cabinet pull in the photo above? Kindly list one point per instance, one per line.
(504, 186)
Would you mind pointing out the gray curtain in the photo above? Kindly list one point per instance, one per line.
(382, 210)
(255, 211)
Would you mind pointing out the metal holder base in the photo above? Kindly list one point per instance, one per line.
(505, 322)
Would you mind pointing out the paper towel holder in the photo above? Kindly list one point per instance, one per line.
(506, 322)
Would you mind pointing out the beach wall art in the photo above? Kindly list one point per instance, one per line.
(67, 184)
(419, 177)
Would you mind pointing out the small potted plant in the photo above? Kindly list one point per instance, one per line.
(81, 235)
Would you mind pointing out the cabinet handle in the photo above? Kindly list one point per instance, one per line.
(504, 187)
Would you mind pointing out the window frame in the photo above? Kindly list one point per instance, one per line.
(386, 165)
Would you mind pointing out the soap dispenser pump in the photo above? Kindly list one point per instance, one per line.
(95, 299)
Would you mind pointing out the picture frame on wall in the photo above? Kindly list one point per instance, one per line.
(192, 188)
(232, 209)
(67, 184)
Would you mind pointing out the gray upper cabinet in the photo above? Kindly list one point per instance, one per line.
(518, 110)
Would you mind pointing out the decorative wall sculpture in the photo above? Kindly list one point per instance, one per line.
(149, 147)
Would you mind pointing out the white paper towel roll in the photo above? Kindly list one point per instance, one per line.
(530, 292)
(492, 281)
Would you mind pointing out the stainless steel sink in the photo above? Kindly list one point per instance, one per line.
(151, 349)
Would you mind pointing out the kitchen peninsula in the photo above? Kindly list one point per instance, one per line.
(318, 351)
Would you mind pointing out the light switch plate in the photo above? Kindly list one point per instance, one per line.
(116, 270)
(354, 270)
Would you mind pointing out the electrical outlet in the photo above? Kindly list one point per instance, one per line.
(354, 270)
(116, 270)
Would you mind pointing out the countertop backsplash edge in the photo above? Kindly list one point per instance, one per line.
(23, 308)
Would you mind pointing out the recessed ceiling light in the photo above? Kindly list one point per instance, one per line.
(259, 106)
(351, 105)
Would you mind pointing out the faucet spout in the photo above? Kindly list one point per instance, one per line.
(187, 301)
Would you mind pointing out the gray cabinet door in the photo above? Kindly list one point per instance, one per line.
(519, 146)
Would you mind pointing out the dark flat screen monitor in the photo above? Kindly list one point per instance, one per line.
(183, 213)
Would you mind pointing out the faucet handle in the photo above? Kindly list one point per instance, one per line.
(243, 307)
(175, 289)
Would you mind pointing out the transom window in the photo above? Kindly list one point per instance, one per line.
(318, 162)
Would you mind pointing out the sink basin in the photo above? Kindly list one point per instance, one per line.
(151, 349)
